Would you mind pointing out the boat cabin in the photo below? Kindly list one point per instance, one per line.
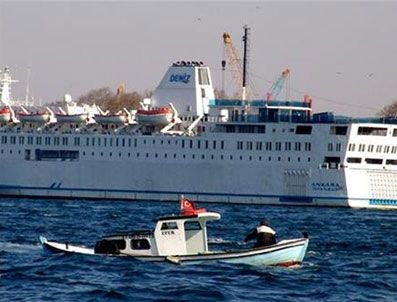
(173, 235)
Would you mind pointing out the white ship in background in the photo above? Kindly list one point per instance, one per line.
(212, 150)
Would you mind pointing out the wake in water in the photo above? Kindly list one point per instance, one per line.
(227, 243)
(18, 248)
(220, 241)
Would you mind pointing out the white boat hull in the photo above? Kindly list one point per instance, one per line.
(285, 253)
(57, 247)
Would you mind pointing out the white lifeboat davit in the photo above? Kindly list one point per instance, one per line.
(155, 116)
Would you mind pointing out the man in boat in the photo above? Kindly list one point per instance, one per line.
(263, 234)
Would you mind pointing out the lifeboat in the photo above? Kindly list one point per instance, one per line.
(117, 119)
(31, 117)
(155, 116)
(71, 118)
(5, 114)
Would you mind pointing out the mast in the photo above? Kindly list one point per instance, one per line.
(5, 89)
(27, 87)
(239, 68)
(245, 62)
(223, 75)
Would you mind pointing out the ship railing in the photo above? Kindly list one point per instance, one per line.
(256, 103)
(330, 118)
(295, 117)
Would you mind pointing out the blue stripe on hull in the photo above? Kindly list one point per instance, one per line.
(297, 199)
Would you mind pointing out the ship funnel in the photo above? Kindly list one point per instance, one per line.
(187, 85)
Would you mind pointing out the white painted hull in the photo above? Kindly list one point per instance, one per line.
(139, 179)
(65, 247)
(284, 253)
(141, 167)
(144, 181)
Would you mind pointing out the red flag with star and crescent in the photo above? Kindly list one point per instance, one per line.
(189, 208)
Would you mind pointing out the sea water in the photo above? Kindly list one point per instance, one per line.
(352, 254)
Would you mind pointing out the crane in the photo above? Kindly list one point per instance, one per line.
(238, 68)
(234, 62)
(278, 85)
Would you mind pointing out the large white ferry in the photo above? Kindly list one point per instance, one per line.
(232, 151)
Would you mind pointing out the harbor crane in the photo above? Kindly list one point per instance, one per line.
(278, 85)
(237, 67)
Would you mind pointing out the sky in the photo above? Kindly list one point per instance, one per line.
(343, 54)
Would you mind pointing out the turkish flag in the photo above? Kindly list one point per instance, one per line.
(187, 206)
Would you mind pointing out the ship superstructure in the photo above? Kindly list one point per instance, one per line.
(232, 151)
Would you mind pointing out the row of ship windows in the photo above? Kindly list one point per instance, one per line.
(371, 148)
(371, 161)
(202, 156)
(74, 155)
(184, 143)
(300, 129)
(42, 155)
(288, 146)
(268, 146)
(376, 131)
(109, 142)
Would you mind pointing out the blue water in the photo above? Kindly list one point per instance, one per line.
(352, 255)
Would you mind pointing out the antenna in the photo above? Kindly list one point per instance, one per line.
(223, 75)
(27, 87)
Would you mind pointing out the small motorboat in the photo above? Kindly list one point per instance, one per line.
(183, 238)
